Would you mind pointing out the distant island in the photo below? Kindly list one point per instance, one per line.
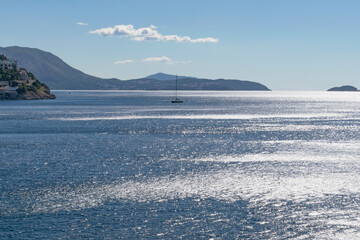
(58, 75)
(17, 83)
(346, 88)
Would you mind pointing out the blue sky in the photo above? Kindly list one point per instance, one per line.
(284, 44)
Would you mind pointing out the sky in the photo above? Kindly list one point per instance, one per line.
(283, 44)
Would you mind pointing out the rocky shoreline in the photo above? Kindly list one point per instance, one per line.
(42, 93)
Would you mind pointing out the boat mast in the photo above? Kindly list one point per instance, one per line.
(176, 100)
(176, 87)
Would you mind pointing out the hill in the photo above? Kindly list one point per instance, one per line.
(54, 72)
(164, 76)
(193, 84)
(57, 74)
(346, 88)
(18, 83)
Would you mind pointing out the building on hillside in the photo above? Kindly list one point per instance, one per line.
(4, 83)
(6, 63)
(24, 76)
(8, 92)
(11, 89)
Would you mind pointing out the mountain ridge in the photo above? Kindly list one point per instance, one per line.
(58, 75)
(165, 77)
(51, 70)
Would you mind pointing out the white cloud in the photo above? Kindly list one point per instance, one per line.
(81, 24)
(124, 61)
(158, 59)
(147, 34)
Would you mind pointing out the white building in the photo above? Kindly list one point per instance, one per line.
(4, 83)
(11, 89)
(8, 64)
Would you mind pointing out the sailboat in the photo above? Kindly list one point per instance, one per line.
(176, 100)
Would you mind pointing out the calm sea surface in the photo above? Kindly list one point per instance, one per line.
(222, 165)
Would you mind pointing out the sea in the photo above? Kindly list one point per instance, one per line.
(221, 165)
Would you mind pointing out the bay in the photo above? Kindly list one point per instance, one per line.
(221, 165)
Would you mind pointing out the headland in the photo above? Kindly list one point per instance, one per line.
(18, 83)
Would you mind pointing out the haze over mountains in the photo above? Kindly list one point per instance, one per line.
(58, 75)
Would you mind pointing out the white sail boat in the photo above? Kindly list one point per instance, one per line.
(176, 100)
